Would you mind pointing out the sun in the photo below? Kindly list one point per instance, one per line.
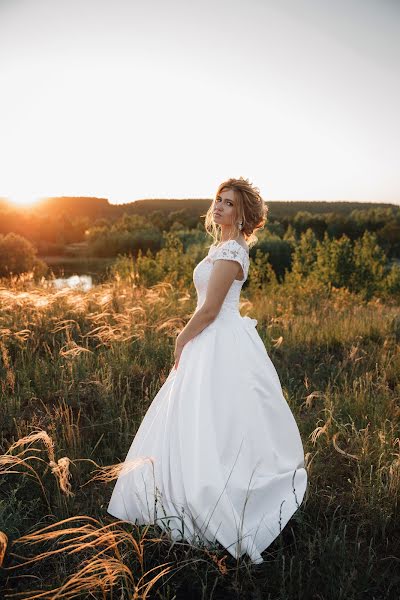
(22, 200)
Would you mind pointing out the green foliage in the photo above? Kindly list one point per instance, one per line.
(389, 238)
(62, 221)
(170, 264)
(261, 273)
(392, 281)
(191, 238)
(335, 261)
(305, 254)
(157, 218)
(18, 255)
(278, 250)
(129, 234)
(361, 267)
(290, 234)
(304, 220)
(369, 266)
(275, 228)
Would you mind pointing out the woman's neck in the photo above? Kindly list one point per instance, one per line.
(240, 237)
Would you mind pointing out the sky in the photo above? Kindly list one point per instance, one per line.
(168, 98)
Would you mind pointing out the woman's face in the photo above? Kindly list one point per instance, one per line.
(224, 210)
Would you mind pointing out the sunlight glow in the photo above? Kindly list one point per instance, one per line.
(23, 199)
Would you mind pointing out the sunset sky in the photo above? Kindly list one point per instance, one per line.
(167, 98)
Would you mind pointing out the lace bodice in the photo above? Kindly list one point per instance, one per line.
(229, 250)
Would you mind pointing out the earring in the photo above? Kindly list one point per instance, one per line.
(240, 225)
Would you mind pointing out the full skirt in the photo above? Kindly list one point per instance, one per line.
(218, 457)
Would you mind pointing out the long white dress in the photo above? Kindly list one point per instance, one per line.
(218, 457)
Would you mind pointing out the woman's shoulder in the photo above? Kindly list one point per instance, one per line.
(233, 244)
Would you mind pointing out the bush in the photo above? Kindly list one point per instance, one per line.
(305, 254)
(369, 266)
(170, 264)
(261, 273)
(279, 252)
(335, 261)
(391, 284)
(18, 255)
(129, 234)
(361, 267)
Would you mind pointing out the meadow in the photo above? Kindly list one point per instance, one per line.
(78, 371)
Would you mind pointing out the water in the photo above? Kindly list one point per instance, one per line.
(78, 274)
(83, 282)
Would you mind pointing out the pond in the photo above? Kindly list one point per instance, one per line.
(75, 273)
(83, 282)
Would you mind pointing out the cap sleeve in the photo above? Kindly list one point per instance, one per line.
(232, 250)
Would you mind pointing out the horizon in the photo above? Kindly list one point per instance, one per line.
(37, 202)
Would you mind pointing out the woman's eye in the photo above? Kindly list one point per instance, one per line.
(220, 200)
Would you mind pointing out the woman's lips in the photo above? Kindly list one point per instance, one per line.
(217, 214)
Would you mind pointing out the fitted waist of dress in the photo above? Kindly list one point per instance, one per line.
(226, 309)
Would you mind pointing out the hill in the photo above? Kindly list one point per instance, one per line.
(93, 207)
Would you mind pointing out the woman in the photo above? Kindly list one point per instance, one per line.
(218, 457)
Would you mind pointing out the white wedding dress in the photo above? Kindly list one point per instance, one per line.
(218, 457)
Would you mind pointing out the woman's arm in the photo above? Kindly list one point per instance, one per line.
(221, 278)
(197, 323)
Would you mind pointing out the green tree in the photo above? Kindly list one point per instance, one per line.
(18, 255)
(261, 273)
(335, 261)
(290, 234)
(279, 252)
(305, 254)
(392, 280)
(369, 266)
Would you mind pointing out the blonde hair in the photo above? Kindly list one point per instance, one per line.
(251, 210)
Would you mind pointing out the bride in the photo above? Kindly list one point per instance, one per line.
(218, 457)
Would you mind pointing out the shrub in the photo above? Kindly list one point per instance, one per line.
(18, 255)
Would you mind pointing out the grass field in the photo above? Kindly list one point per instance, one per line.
(78, 372)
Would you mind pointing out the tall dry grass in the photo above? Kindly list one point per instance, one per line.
(78, 371)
